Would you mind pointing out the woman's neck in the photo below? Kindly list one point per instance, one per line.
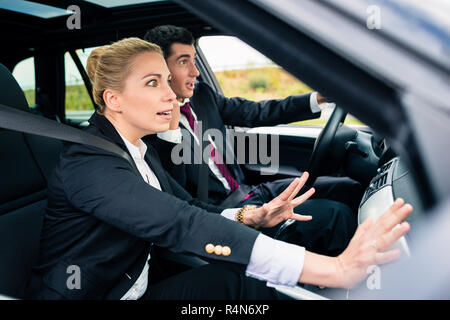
(127, 131)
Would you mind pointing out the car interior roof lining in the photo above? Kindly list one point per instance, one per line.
(33, 9)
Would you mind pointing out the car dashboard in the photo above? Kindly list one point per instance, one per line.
(393, 180)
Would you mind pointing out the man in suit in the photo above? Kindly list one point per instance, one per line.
(201, 106)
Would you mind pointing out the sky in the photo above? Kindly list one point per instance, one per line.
(225, 53)
(222, 52)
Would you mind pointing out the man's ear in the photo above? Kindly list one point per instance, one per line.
(111, 98)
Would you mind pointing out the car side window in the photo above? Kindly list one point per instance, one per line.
(244, 72)
(24, 74)
(78, 104)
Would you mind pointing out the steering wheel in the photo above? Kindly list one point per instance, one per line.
(323, 144)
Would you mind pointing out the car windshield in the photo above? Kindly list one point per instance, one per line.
(421, 25)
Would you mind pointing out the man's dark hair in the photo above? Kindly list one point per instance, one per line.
(165, 36)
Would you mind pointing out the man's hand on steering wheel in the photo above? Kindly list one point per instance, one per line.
(320, 98)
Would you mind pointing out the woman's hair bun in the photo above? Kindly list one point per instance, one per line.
(92, 61)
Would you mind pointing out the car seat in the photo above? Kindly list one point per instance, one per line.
(26, 162)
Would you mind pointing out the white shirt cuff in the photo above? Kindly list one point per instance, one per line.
(173, 136)
(315, 108)
(275, 261)
(229, 213)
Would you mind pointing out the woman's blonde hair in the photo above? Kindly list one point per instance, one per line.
(110, 65)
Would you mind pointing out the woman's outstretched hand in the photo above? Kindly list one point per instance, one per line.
(369, 246)
(282, 207)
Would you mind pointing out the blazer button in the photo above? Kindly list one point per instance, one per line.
(226, 251)
(218, 250)
(209, 248)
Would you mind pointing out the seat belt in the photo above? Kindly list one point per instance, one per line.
(23, 121)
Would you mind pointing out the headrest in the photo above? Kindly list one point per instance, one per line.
(11, 93)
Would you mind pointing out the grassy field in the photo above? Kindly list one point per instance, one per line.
(253, 84)
(30, 96)
(77, 98)
(259, 84)
(268, 83)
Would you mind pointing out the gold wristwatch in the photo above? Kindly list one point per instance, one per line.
(239, 217)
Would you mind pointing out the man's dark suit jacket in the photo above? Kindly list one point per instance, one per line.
(102, 218)
(221, 111)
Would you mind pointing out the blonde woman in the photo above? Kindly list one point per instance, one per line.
(102, 219)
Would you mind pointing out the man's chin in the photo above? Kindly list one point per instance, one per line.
(186, 94)
(189, 94)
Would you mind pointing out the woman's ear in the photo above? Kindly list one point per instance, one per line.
(111, 98)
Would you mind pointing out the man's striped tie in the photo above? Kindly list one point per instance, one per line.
(218, 160)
